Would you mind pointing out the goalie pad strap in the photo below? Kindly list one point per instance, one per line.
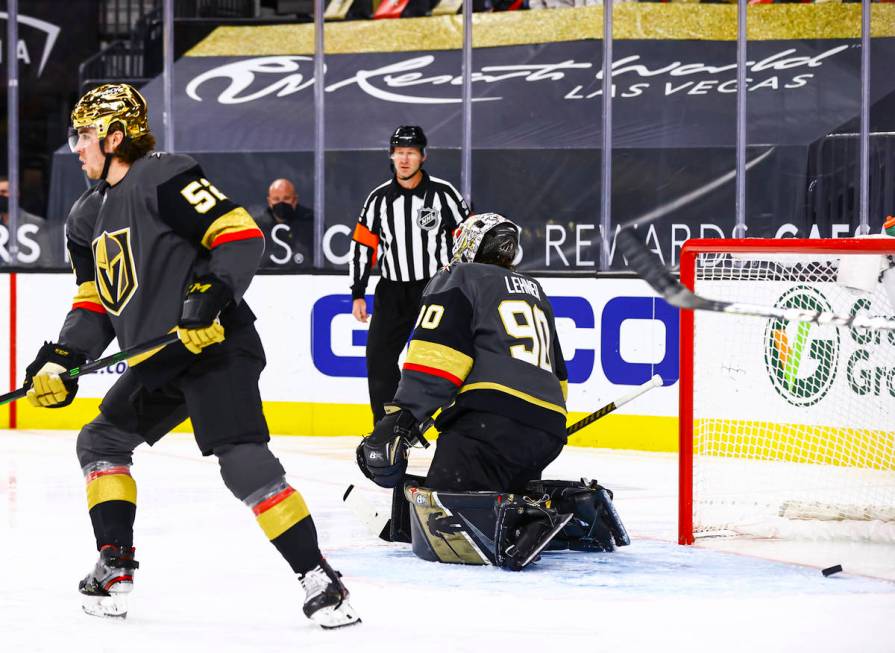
(596, 525)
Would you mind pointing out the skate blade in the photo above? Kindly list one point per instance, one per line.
(563, 520)
(113, 606)
(333, 617)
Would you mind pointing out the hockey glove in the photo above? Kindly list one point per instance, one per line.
(47, 388)
(382, 455)
(199, 324)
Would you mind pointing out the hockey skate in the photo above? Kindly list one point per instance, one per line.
(104, 590)
(326, 598)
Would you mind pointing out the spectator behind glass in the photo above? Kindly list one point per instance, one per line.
(33, 236)
(288, 228)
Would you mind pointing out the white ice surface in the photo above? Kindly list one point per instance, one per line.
(209, 581)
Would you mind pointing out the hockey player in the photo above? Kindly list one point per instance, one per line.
(155, 247)
(485, 350)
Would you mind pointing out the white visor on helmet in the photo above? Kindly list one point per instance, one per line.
(81, 137)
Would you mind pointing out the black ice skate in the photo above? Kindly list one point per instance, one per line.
(104, 590)
(326, 599)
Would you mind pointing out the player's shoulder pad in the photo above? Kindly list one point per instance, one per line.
(82, 216)
(494, 280)
(442, 281)
(480, 272)
(158, 167)
(468, 277)
(529, 280)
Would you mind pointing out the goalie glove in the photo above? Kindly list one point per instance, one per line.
(382, 455)
(199, 324)
(47, 388)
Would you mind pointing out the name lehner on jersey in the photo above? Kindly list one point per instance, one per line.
(516, 284)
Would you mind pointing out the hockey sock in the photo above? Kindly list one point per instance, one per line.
(284, 517)
(112, 502)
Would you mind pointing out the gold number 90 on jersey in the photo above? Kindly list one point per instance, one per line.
(523, 321)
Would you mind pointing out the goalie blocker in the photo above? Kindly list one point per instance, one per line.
(505, 529)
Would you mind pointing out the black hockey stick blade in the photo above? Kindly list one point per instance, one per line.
(651, 270)
(100, 363)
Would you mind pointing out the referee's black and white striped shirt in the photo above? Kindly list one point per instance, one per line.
(410, 232)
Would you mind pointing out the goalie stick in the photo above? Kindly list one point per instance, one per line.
(648, 268)
(654, 382)
(376, 521)
(100, 363)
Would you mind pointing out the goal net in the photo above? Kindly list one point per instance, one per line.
(787, 428)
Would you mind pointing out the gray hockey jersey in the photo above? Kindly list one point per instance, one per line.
(135, 247)
(485, 340)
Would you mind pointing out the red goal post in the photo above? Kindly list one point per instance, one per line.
(772, 264)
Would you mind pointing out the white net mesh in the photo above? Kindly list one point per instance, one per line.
(794, 423)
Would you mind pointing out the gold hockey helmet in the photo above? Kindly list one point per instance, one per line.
(110, 103)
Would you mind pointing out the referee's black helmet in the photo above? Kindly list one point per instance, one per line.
(408, 136)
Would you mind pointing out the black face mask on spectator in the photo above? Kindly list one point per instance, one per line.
(283, 211)
(4, 204)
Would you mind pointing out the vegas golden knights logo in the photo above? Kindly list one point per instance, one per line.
(116, 275)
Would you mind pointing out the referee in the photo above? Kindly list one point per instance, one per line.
(410, 220)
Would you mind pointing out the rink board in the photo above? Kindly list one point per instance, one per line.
(615, 334)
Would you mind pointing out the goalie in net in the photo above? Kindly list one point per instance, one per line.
(485, 349)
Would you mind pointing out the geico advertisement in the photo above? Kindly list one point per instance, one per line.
(799, 373)
(614, 335)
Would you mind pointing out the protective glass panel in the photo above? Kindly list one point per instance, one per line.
(820, 126)
(881, 200)
(244, 108)
(674, 124)
(383, 74)
(48, 73)
(537, 131)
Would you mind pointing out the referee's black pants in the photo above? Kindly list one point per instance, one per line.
(396, 305)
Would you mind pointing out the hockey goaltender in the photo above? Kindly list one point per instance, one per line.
(485, 351)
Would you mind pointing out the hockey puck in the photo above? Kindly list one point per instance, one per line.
(829, 571)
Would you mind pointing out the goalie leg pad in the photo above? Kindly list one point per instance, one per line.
(595, 526)
(452, 527)
(480, 528)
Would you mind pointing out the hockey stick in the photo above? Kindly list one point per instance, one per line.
(100, 363)
(376, 521)
(654, 382)
(644, 263)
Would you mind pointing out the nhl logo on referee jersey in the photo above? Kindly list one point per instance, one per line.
(116, 274)
(428, 219)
